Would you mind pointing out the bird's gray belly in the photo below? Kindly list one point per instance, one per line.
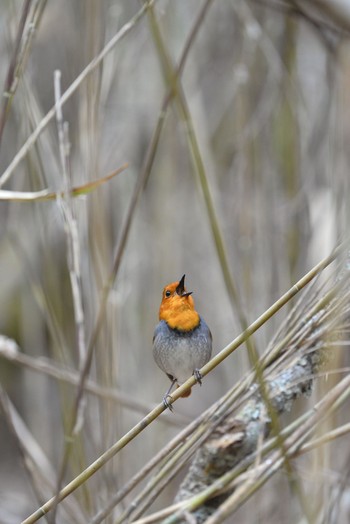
(180, 356)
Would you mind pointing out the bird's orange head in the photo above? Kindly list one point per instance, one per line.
(177, 307)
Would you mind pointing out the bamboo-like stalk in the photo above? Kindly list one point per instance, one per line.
(142, 425)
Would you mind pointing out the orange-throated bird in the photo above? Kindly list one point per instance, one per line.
(182, 340)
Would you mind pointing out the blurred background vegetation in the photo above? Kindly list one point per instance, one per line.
(265, 93)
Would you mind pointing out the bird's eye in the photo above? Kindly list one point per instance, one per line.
(167, 293)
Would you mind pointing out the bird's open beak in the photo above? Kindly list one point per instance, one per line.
(180, 290)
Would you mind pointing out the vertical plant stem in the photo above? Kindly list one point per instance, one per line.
(12, 73)
(173, 80)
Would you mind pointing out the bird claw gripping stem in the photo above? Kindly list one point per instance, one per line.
(198, 376)
(166, 403)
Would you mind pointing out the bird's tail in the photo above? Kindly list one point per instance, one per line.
(187, 393)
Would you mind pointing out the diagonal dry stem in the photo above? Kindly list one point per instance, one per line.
(138, 428)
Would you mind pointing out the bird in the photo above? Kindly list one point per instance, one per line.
(182, 341)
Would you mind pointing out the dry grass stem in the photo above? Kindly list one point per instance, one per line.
(71, 90)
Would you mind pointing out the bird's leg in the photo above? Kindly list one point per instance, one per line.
(167, 394)
(198, 376)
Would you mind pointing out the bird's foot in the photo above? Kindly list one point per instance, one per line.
(198, 376)
(166, 403)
